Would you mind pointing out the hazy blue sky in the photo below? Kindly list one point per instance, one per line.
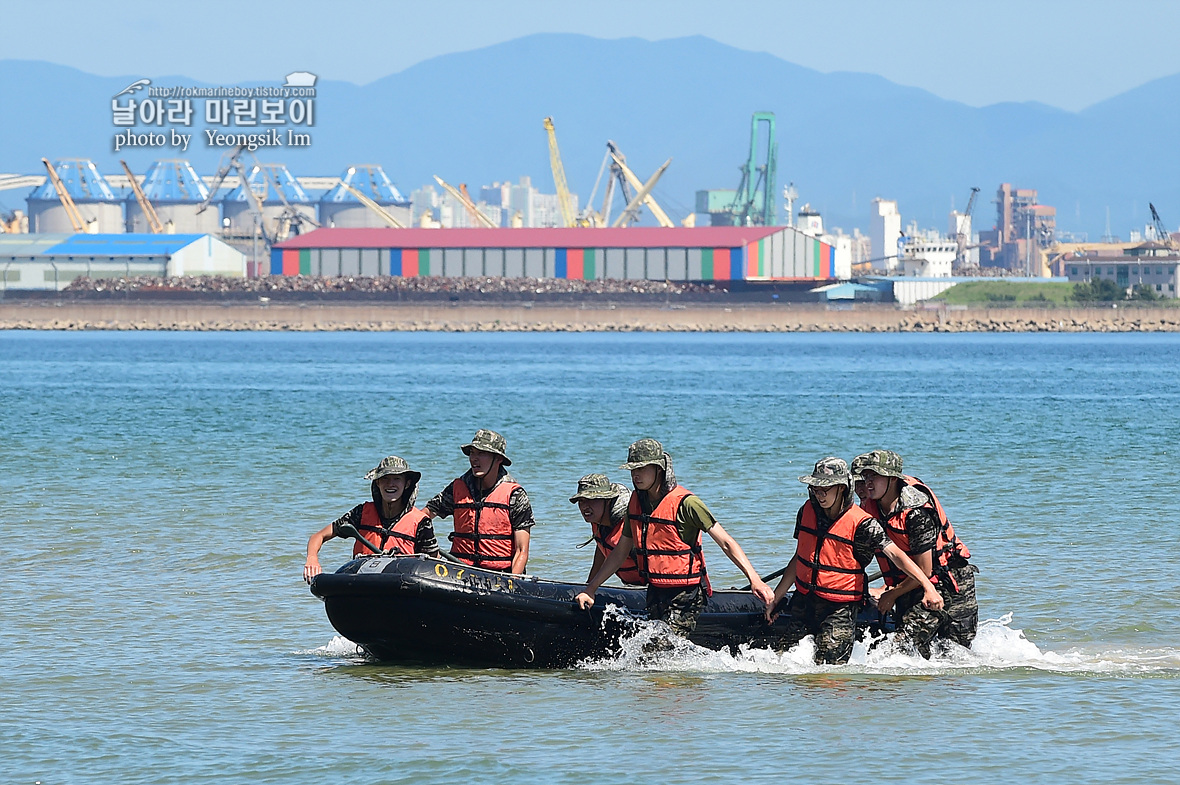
(1067, 53)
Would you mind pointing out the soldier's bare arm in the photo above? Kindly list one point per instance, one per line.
(781, 590)
(931, 599)
(311, 567)
(736, 555)
(585, 598)
(887, 598)
(520, 550)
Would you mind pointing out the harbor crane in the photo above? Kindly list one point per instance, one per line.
(754, 202)
(381, 212)
(149, 212)
(465, 200)
(622, 177)
(231, 161)
(67, 202)
(290, 218)
(631, 211)
(563, 190)
(1161, 231)
(634, 181)
(961, 236)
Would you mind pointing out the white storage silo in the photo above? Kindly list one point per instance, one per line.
(101, 210)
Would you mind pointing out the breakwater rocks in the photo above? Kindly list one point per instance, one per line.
(459, 317)
(302, 288)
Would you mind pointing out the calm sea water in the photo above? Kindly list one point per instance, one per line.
(159, 489)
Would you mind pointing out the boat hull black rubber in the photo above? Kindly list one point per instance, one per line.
(423, 610)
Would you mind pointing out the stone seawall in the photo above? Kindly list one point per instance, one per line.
(466, 317)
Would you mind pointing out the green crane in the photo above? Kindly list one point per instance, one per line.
(753, 205)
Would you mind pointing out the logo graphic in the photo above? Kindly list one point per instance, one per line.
(300, 79)
(151, 115)
(134, 87)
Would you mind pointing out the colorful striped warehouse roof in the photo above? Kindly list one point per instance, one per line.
(709, 253)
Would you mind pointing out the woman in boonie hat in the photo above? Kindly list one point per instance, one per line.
(603, 505)
(836, 539)
(390, 522)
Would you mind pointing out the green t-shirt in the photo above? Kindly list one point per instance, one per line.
(692, 517)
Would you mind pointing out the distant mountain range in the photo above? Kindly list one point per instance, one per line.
(844, 138)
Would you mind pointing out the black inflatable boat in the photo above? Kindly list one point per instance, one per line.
(424, 610)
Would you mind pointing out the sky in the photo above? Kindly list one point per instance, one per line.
(1066, 53)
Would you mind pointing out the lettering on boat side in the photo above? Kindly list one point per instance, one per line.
(461, 575)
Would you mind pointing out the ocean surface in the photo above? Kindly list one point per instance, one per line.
(159, 489)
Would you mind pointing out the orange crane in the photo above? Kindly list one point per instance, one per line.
(381, 212)
(149, 212)
(465, 200)
(563, 190)
(67, 201)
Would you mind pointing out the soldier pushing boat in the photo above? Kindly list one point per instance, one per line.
(664, 525)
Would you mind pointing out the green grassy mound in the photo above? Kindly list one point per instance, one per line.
(1000, 292)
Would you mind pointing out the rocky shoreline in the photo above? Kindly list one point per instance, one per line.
(528, 317)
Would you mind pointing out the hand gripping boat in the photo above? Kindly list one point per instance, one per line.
(426, 610)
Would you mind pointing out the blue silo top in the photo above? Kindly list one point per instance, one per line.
(370, 180)
(264, 179)
(174, 180)
(81, 179)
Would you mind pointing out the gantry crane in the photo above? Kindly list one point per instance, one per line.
(149, 212)
(754, 202)
(67, 202)
(563, 190)
(466, 202)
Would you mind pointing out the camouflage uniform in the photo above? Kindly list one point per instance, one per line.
(832, 624)
(677, 606)
(957, 621)
(918, 626)
(520, 510)
(425, 541)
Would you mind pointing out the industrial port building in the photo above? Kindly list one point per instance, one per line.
(713, 253)
(51, 261)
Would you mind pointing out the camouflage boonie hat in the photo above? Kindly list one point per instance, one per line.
(488, 441)
(392, 465)
(644, 453)
(883, 462)
(857, 466)
(829, 471)
(594, 486)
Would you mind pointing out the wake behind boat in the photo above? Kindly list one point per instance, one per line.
(425, 610)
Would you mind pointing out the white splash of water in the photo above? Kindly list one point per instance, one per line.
(997, 646)
(339, 648)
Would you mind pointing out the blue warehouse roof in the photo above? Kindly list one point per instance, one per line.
(122, 244)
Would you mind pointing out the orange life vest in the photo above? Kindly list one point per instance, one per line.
(662, 558)
(824, 563)
(400, 538)
(946, 547)
(606, 538)
(483, 531)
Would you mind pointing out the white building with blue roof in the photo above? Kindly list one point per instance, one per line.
(51, 261)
